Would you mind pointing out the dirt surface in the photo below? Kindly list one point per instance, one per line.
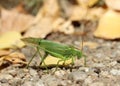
(102, 69)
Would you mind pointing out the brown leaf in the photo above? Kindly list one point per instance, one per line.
(42, 24)
(61, 25)
(95, 13)
(78, 13)
(14, 21)
(15, 58)
(50, 8)
(4, 52)
(41, 29)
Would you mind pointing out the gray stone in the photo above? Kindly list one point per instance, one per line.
(15, 81)
(28, 83)
(115, 72)
(113, 63)
(5, 76)
(33, 72)
(85, 69)
(60, 73)
(5, 84)
(77, 76)
(3, 80)
(98, 65)
(50, 80)
(39, 83)
(97, 84)
(87, 81)
(104, 73)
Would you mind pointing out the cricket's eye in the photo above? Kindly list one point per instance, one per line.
(39, 42)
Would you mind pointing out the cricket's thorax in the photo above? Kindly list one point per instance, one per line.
(34, 41)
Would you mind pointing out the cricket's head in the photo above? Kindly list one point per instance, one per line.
(30, 40)
(79, 54)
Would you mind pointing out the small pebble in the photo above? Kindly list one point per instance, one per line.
(60, 73)
(98, 65)
(33, 72)
(50, 80)
(84, 69)
(97, 84)
(39, 83)
(3, 80)
(88, 81)
(113, 63)
(5, 76)
(104, 73)
(28, 83)
(115, 72)
(77, 76)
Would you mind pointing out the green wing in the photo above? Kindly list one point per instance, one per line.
(56, 49)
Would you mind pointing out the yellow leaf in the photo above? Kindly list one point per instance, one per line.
(11, 40)
(86, 3)
(92, 2)
(52, 61)
(109, 25)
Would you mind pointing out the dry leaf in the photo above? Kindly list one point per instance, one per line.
(11, 40)
(42, 24)
(92, 2)
(1, 60)
(57, 23)
(41, 29)
(83, 3)
(95, 13)
(4, 52)
(109, 26)
(87, 2)
(113, 4)
(52, 61)
(61, 25)
(15, 58)
(14, 21)
(78, 13)
(50, 9)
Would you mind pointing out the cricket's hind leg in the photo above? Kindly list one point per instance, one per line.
(72, 64)
(42, 60)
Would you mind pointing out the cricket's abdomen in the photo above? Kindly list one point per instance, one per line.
(54, 47)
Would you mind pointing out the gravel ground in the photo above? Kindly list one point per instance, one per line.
(103, 66)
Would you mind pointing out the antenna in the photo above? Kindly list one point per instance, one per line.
(83, 26)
